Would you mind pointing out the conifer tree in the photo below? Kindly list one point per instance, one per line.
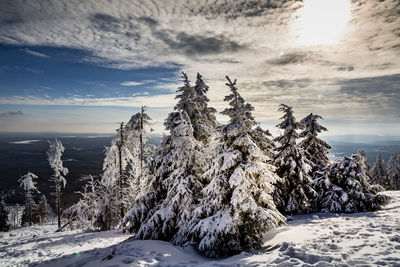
(378, 172)
(236, 206)
(137, 133)
(348, 189)
(44, 210)
(166, 207)
(262, 138)
(393, 171)
(364, 157)
(315, 149)
(294, 193)
(4, 225)
(29, 186)
(194, 101)
(54, 157)
(203, 120)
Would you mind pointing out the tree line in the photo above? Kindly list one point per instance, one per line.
(219, 187)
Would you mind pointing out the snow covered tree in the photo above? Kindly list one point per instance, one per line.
(165, 208)
(378, 172)
(44, 211)
(194, 101)
(315, 149)
(137, 133)
(393, 171)
(294, 193)
(364, 157)
(348, 189)
(203, 120)
(54, 157)
(236, 205)
(4, 225)
(29, 186)
(263, 141)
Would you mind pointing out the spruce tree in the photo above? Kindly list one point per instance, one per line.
(44, 210)
(137, 134)
(194, 101)
(29, 186)
(165, 209)
(262, 138)
(315, 149)
(236, 205)
(54, 157)
(393, 171)
(203, 120)
(378, 172)
(348, 189)
(4, 225)
(294, 193)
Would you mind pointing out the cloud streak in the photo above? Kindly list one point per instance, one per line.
(11, 114)
(34, 53)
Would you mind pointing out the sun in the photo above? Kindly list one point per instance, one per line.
(321, 22)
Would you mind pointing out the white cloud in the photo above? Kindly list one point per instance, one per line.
(131, 83)
(155, 101)
(257, 42)
(34, 53)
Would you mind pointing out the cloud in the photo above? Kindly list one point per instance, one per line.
(255, 41)
(10, 114)
(34, 53)
(131, 83)
(35, 71)
(155, 101)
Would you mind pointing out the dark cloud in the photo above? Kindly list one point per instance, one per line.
(377, 86)
(106, 22)
(345, 68)
(289, 58)
(193, 45)
(9, 114)
(235, 9)
(148, 21)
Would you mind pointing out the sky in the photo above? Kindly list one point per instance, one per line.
(84, 66)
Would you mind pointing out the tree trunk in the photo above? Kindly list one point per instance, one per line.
(58, 203)
(120, 168)
(141, 139)
(30, 211)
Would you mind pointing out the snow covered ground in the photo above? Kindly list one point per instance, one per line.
(323, 239)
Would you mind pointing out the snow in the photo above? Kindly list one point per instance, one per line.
(24, 142)
(322, 239)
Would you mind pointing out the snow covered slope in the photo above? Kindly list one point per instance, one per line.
(323, 239)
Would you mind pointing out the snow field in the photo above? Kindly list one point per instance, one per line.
(323, 239)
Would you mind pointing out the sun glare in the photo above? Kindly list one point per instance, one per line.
(321, 22)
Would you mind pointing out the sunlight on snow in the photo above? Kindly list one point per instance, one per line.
(321, 22)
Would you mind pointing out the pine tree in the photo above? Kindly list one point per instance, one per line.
(166, 207)
(44, 210)
(54, 157)
(194, 101)
(378, 172)
(364, 157)
(263, 141)
(203, 119)
(4, 225)
(393, 171)
(348, 189)
(29, 186)
(294, 193)
(315, 149)
(137, 133)
(236, 206)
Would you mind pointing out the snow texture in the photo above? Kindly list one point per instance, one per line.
(321, 239)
